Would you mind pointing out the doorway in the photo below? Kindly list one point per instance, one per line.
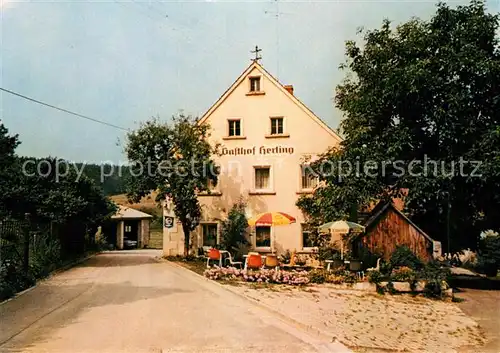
(130, 234)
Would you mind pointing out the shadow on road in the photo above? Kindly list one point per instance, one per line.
(121, 259)
(34, 316)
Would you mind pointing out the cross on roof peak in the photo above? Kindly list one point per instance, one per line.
(256, 51)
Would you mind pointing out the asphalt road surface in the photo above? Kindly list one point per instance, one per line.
(128, 302)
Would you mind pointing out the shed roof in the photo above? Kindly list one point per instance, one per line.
(129, 213)
(382, 207)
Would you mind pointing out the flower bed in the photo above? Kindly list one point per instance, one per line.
(296, 278)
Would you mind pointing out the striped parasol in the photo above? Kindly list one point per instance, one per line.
(271, 219)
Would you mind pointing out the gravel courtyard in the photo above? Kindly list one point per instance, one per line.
(368, 322)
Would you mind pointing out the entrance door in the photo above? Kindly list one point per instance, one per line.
(130, 234)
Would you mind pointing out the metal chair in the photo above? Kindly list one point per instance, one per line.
(357, 267)
(377, 268)
(214, 255)
(233, 263)
(254, 261)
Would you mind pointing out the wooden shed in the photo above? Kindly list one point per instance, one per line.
(387, 228)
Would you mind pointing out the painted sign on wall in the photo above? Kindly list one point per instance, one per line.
(262, 150)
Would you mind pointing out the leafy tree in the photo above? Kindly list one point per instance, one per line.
(111, 178)
(176, 160)
(8, 172)
(234, 227)
(421, 91)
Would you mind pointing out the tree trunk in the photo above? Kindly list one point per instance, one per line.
(186, 240)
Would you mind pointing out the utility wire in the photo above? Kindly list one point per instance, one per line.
(62, 109)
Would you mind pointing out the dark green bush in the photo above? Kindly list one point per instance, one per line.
(403, 274)
(437, 278)
(403, 256)
(234, 227)
(375, 277)
(328, 252)
(368, 258)
(318, 276)
(489, 255)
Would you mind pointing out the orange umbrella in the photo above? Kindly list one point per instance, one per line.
(271, 219)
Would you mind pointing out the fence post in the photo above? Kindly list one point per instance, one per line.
(26, 245)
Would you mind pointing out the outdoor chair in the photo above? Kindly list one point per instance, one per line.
(357, 267)
(334, 264)
(272, 261)
(214, 255)
(229, 259)
(254, 261)
(375, 268)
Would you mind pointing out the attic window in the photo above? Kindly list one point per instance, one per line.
(254, 83)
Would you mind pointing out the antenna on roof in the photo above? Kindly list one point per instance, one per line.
(277, 15)
(256, 52)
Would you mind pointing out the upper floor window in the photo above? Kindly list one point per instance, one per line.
(262, 178)
(277, 126)
(234, 128)
(254, 84)
(309, 178)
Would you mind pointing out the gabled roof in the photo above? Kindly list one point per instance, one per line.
(379, 211)
(272, 79)
(129, 213)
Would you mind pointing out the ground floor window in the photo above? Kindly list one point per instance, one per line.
(209, 234)
(307, 236)
(262, 236)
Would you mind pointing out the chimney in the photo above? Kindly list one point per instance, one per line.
(289, 88)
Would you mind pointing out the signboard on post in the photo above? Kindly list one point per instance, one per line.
(169, 222)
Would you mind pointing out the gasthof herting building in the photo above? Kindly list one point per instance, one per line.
(266, 136)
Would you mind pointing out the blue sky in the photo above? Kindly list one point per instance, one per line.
(125, 61)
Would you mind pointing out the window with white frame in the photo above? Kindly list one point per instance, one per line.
(234, 127)
(262, 237)
(209, 234)
(254, 83)
(277, 126)
(262, 178)
(307, 236)
(309, 179)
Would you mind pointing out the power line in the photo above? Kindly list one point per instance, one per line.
(63, 110)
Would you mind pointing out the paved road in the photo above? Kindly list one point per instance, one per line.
(484, 307)
(128, 302)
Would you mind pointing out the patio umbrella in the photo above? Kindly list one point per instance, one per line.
(343, 227)
(271, 219)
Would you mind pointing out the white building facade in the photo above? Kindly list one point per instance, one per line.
(265, 137)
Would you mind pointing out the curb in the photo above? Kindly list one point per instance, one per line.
(287, 319)
(53, 273)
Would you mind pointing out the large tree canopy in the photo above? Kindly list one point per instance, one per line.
(175, 160)
(424, 91)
